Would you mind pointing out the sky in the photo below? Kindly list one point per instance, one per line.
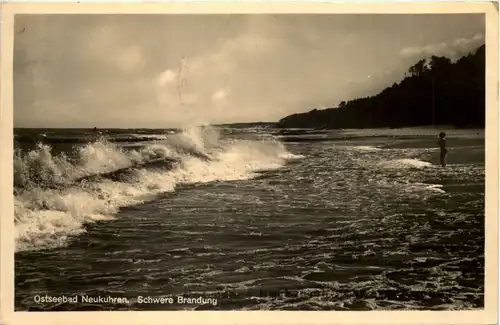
(182, 70)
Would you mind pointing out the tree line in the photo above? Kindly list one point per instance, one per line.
(434, 91)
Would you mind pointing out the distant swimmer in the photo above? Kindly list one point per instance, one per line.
(442, 146)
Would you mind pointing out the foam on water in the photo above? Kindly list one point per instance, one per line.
(342, 230)
(366, 148)
(150, 136)
(431, 187)
(357, 148)
(46, 217)
(406, 163)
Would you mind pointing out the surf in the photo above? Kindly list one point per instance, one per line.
(57, 194)
(407, 163)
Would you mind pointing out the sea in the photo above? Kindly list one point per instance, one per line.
(248, 217)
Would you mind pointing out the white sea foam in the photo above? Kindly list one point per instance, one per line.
(150, 136)
(357, 148)
(366, 148)
(405, 163)
(45, 216)
(422, 187)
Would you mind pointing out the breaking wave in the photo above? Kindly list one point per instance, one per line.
(56, 194)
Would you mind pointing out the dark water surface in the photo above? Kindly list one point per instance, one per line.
(359, 224)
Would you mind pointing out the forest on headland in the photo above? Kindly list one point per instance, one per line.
(435, 91)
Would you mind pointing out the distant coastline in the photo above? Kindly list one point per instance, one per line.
(435, 91)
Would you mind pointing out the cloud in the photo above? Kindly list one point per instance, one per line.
(220, 95)
(453, 50)
(262, 74)
(130, 59)
(199, 83)
(174, 70)
(166, 77)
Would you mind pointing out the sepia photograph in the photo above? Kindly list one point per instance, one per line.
(249, 161)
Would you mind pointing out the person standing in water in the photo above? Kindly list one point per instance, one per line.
(442, 146)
